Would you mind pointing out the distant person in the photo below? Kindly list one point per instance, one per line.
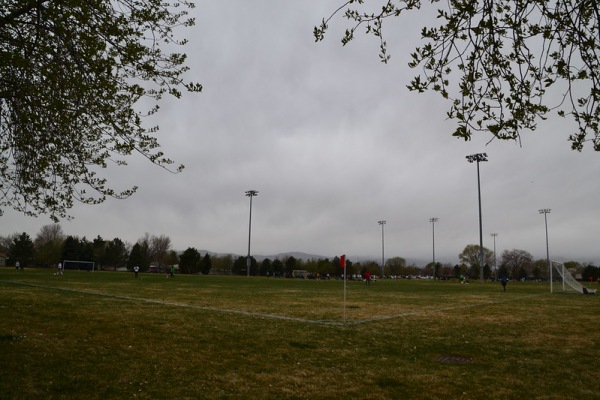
(18, 266)
(172, 271)
(504, 280)
(136, 269)
(59, 268)
(368, 278)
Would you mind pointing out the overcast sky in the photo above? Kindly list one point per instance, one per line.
(334, 142)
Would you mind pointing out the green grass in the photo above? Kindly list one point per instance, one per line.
(105, 335)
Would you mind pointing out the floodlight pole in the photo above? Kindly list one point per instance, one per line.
(479, 157)
(382, 223)
(251, 194)
(433, 221)
(495, 264)
(546, 211)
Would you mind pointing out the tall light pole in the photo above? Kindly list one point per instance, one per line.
(433, 221)
(546, 211)
(251, 194)
(382, 223)
(479, 157)
(495, 265)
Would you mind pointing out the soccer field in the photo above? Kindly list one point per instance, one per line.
(99, 335)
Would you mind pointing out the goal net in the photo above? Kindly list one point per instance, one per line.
(299, 273)
(568, 281)
(81, 265)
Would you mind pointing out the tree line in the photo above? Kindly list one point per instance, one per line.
(517, 264)
(52, 246)
(154, 253)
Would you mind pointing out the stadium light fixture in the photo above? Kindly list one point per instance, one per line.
(546, 211)
(433, 221)
(477, 158)
(251, 194)
(382, 223)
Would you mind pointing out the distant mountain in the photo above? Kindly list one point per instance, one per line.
(297, 255)
(307, 256)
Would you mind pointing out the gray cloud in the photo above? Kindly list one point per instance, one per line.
(334, 142)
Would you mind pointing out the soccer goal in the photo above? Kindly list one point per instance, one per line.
(299, 273)
(82, 265)
(568, 282)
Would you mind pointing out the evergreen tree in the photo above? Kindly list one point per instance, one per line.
(206, 264)
(239, 266)
(116, 254)
(277, 267)
(99, 249)
(189, 261)
(139, 256)
(266, 267)
(290, 265)
(21, 249)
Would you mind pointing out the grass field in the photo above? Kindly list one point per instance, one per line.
(105, 335)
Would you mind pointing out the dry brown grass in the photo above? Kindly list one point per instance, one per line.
(105, 335)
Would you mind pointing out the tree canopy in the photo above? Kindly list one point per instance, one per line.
(503, 65)
(189, 261)
(21, 249)
(73, 77)
(517, 261)
(470, 255)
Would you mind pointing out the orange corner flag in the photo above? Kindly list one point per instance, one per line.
(343, 261)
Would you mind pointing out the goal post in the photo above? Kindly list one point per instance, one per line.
(79, 265)
(299, 273)
(568, 281)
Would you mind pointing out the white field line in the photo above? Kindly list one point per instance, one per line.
(276, 316)
(435, 310)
